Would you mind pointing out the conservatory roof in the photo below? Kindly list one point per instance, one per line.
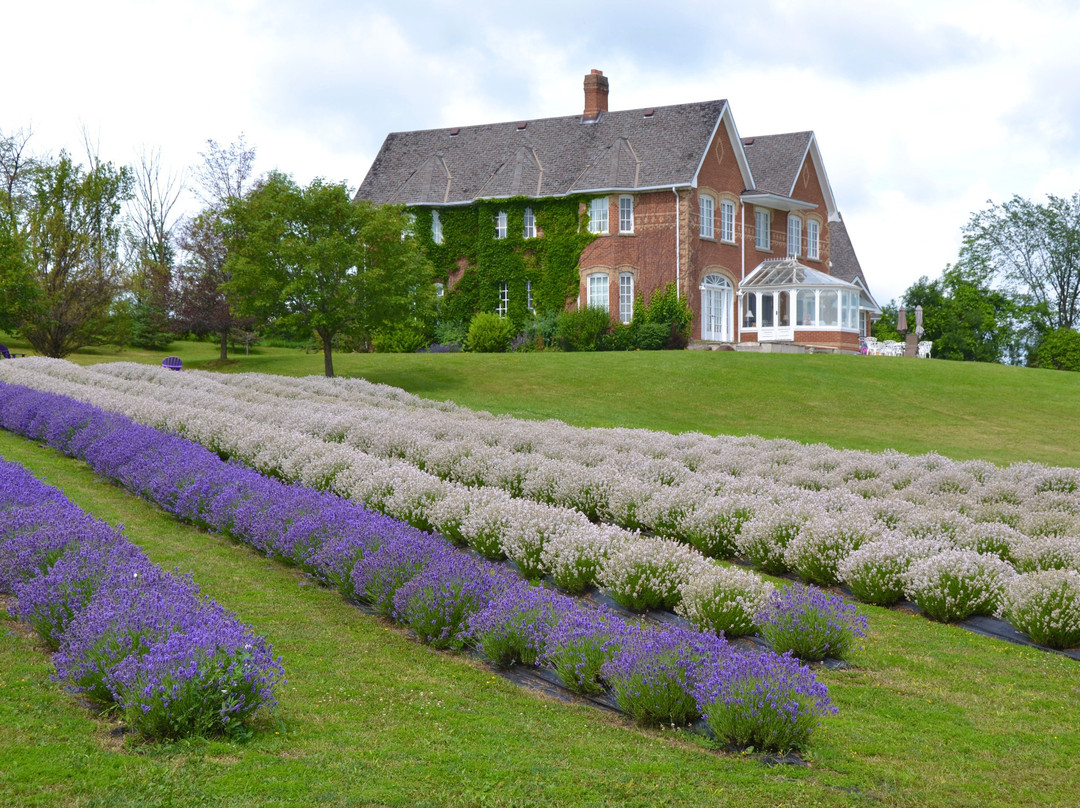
(788, 272)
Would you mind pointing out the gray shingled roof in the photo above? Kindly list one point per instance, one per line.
(775, 160)
(844, 263)
(623, 150)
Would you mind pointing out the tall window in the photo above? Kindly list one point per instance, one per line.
(813, 239)
(500, 224)
(436, 227)
(529, 298)
(598, 291)
(761, 229)
(626, 297)
(598, 215)
(794, 235)
(706, 206)
(727, 220)
(626, 214)
(530, 224)
(504, 299)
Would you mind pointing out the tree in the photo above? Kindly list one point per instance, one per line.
(151, 249)
(200, 302)
(312, 258)
(63, 237)
(1036, 249)
(964, 316)
(16, 271)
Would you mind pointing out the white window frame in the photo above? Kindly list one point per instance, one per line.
(727, 221)
(500, 224)
(529, 298)
(626, 214)
(504, 299)
(597, 291)
(436, 227)
(813, 239)
(794, 235)
(762, 227)
(626, 297)
(598, 215)
(529, 228)
(707, 212)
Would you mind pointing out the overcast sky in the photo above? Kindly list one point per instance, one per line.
(923, 110)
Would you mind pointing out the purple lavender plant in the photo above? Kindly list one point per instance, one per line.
(579, 645)
(810, 623)
(512, 628)
(378, 575)
(437, 602)
(761, 700)
(654, 674)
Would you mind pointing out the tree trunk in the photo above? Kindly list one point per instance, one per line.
(328, 357)
(224, 344)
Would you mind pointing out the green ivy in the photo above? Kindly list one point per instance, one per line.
(550, 261)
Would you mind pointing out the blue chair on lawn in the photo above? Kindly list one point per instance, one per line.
(172, 363)
(4, 352)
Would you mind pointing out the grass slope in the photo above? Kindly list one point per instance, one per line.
(961, 410)
(930, 715)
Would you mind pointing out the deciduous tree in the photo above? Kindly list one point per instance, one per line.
(312, 258)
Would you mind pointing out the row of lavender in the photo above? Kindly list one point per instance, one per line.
(126, 633)
(946, 535)
(447, 597)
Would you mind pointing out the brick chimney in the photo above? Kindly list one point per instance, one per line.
(596, 90)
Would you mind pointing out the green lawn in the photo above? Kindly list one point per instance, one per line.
(961, 410)
(929, 714)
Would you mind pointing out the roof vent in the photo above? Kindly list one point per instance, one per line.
(454, 132)
(522, 125)
(649, 113)
(748, 141)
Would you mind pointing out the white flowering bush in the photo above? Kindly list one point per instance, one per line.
(956, 584)
(875, 571)
(823, 542)
(1034, 553)
(529, 527)
(724, 600)
(763, 539)
(643, 574)
(995, 538)
(713, 527)
(573, 558)
(1045, 605)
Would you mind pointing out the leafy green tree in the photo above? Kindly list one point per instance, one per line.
(1035, 248)
(61, 251)
(16, 271)
(1059, 349)
(312, 258)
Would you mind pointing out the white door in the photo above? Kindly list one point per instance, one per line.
(717, 298)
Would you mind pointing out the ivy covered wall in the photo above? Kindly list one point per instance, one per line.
(475, 262)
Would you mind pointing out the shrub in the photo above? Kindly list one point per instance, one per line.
(574, 557)
(763, 701)
(648, 574)
(875, 572)
(654, 674)
(437, 602)
(764, 538)
(581, 330)
(579, 645)
(621, 337)
(816, 552)
(724, 600)
(653, 336)
(666, 308)
(403, 337)
(1034, 553)
(512, 628)
(489, 333)
(1045, 605)
(956, 584)
(1060, 350)
(810, 623)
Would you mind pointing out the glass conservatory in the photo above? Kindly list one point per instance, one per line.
(782, 297)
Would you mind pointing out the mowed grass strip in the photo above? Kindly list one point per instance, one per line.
(963, 410)
(929, 714)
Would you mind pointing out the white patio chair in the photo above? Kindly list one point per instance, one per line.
(924, 349)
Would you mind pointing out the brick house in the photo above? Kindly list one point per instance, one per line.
(747, 228)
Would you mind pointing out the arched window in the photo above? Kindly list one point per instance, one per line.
(717, 308)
